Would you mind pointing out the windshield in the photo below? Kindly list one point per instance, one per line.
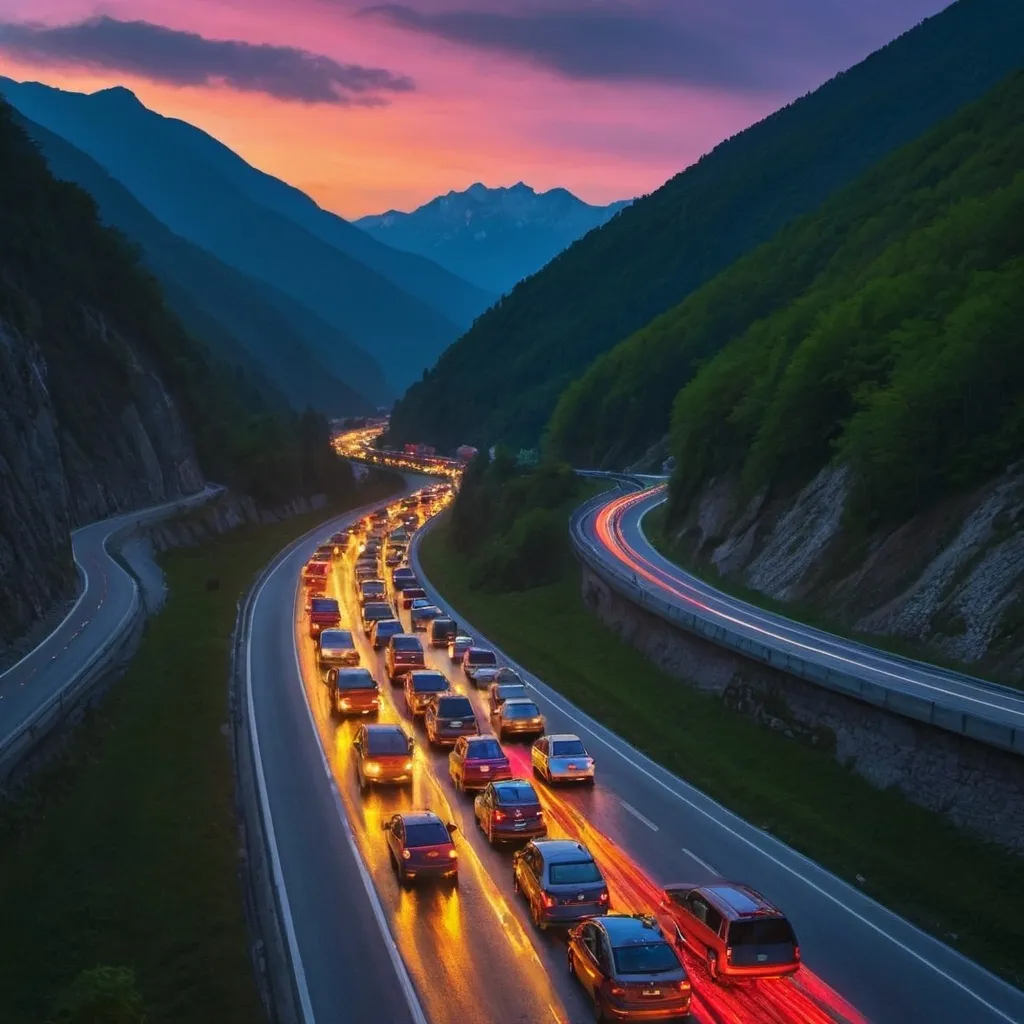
(360, 680)
(405, 643)
(574, 872)
(325, 604)
(386, 626)
(487, 750)
(568, 748)
(426, 833)
(483, 658)
(453, 707)
(515, 793)
(390, 742)
(645, 958)
(443, 626)
(377, 611)
(508, 691)
(771, 931)
(429, 682)
(517, 710)
(335, 640)
(372, 587)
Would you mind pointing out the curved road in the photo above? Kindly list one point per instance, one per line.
(616, 531)
(366, 950)
(99, 612)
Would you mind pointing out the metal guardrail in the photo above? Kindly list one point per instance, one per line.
(711, 628)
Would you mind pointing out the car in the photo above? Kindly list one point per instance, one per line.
(403, 576)
(628, 968)
(315, 576)
(560, 881)
(371, 590)
(336, 647)
(441, 631)
(353, 691)
(498, 693)
(422, 616)
(509, 810)
(324, 553)
(561, 757)
(508, 675)
(407, 595)
(458, 646)
(324, 613)
(477, 760)
(394, 557)
(447, 717)
(365, 570)
(733, 929)
(382, 631)
(403, 653)
(420, 685)
(420, 845)
(517, 716)
(383, 754)
(374, 611)
(476, 658)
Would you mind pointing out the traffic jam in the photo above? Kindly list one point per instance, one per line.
(486, 831)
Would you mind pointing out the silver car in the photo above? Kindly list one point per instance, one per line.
(561, 757)
(458, 647)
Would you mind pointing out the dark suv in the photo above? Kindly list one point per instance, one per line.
(560, 880)
(510, 810)
(449, 716)
(404, 653)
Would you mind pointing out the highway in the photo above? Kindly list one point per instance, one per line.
(470, 954)
(615, 529)
(99, 612)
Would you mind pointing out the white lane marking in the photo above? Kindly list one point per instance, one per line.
(639, 817)
(568, 710)
(749, 623)
(404, 979)
(703, 863)
(268, 821)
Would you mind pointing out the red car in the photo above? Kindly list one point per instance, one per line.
(510, 810)
(420, 846)
(476, 761)
(324, 613)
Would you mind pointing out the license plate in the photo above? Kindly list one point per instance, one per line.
(456, 725)
(652, 991)
(572, 767)
(432, 853)
(485, 768)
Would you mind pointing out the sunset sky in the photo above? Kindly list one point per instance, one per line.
(370, 106)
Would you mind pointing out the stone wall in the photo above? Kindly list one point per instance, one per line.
(976, 787)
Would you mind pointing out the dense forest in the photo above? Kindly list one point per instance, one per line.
(502, 379)
(903, 357)
(76, 289)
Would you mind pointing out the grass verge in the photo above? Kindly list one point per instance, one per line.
(124, 850)
(965, 891)
(810, 613)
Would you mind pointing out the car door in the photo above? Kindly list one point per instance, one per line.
(588, 968)
(359, 744)
(530, 865)
(484, 805)
(539, 755)
(704, 921)
(457, 759)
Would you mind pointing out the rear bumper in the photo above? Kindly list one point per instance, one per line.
(757, 970)
(475, 779)
(518, 729)
(631, 1011)
(505, 832)
(443, 869)
(348, 706)
(350, 660)
(567, 776)
(573, 913)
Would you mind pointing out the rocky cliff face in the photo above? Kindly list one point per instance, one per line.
(73, 450)
(950, 582)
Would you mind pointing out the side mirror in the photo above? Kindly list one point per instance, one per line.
(452, 828)
(411, 743)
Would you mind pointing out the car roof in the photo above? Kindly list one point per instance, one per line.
(348, 673)
(739, 901)
(479, 650)
(377, 604)
(554, 737)
(384, 727)
(517, 700)
(557, 851)
(509, 783)
(623, 929)
(418, 817)
(426, 672)
(385, 622)
(335, 631)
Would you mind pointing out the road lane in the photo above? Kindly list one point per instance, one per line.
(106, 595)
(893, 972)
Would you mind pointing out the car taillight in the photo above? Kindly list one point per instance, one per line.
(549, 901)
(728, 952)
(499, 815)
(603, 898)
(452, 854)
(617, 990)
(406, 854)
(540, 812)
(684, 985)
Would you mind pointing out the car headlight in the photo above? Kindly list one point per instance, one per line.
(408, 766)
(373, 769)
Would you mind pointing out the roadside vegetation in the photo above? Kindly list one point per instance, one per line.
(119, 859)
(897, 852)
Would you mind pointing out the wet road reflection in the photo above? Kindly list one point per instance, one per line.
(472, 951)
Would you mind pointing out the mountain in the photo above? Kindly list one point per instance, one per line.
(858, 449)
(308, 360)
(204, 193)
(493, 237)
(525, 351)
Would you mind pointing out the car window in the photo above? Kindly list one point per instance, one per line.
(703, 911)
(645, 958)
(455, 706)
(483, 658)
(590, 938)
(574, 872)
(324, 604)
(485, 748)
(516, 710)
(405, 643)
(515, 793)
(390, 742)
(568, 748)
(355, 681)
(336, 640)
(426, 833)
(429, 682)
(510, 691)
(769, 931)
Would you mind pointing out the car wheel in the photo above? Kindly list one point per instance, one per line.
(490, 834)
(459, 787)
(599, 1015)
(571, 962)
(713, 965)
(515, 880)
(361, 778)
(535, 916)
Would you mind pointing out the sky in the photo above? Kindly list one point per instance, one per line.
(374, 106)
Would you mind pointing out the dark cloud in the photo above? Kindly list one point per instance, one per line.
(608, 42)
(185, 58)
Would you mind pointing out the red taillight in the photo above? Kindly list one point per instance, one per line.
(549, 901)
(603, 897)
(684, 985)
(499, 815)
(540, 813)
(728, 952)
(616, 990)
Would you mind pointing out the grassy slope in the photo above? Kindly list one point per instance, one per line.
(125, 850)
(906, 854)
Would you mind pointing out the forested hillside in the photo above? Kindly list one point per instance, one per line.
(903, 358)
(521, 354)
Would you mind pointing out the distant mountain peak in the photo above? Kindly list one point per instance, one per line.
(119, 94)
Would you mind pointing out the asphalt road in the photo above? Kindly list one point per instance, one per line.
(618, 531)
(98, 612)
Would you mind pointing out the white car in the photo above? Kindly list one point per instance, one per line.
(561, 757)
